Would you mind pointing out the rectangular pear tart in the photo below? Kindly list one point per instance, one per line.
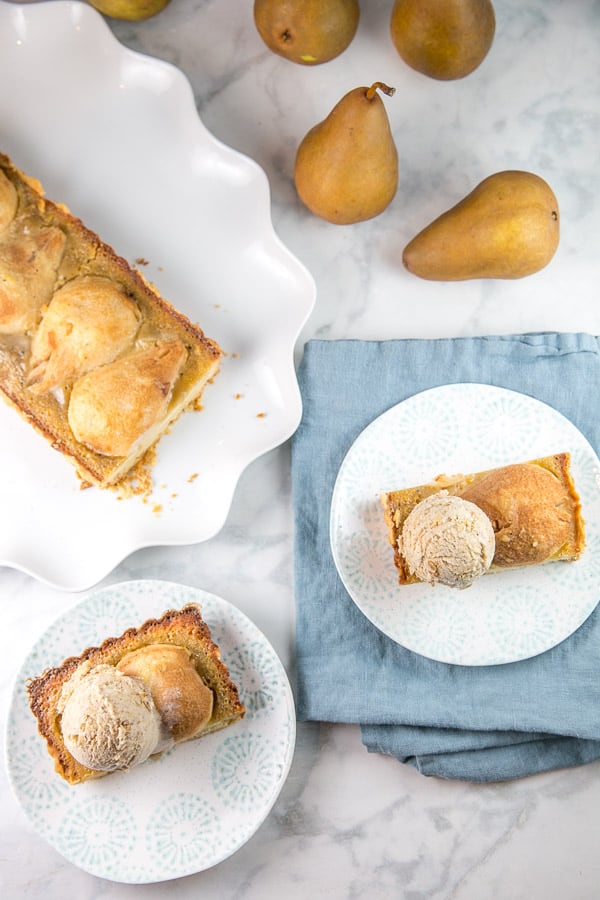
(90, 354)
(533, 507)
(134, 696)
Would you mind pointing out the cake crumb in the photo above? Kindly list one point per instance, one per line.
(140, 261)
(261, 415)
(138, 481)
(192, 477)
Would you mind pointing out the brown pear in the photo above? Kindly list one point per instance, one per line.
(508, 227)
(346, 167)
(130, 10)
(445, 39)
(307, 32)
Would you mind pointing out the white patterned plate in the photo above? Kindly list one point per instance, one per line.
(139, 167)
(462, 428)
(196, 805)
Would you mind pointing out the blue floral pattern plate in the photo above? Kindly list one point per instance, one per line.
(462, 428)
(194, 806)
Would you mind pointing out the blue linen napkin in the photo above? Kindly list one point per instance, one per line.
(484, 723)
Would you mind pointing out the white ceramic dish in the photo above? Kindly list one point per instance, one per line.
(462, 428)
(196, 805)
(116, 136)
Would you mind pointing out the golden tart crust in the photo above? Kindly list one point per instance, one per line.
(186, 633)
(534, 508)
(53, 268)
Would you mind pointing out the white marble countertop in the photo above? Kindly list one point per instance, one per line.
(348, 823)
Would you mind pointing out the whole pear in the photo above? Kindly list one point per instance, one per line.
(308, 32)
(508, 227)
(130, 10)
(346, 167)
(445, 39)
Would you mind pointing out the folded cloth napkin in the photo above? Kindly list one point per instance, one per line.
(482, 723)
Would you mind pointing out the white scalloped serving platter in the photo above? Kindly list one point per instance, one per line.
(116, 136)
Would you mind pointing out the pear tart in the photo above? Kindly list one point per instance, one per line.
(176, 668)
(90, 354)
(533, 506)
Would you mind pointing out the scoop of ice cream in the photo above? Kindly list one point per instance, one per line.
(448, 540)
(109, 720)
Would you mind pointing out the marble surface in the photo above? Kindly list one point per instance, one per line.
(350, 824)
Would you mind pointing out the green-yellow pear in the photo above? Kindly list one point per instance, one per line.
(445, 39)
(508, 227)
(308, 32)
(346, 167)
(130, 10)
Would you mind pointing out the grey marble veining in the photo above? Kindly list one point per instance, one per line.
(349, 824)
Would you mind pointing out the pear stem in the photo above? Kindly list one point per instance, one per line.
(370, 92)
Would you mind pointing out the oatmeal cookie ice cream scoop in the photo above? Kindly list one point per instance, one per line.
(447, 540)
(109, 720)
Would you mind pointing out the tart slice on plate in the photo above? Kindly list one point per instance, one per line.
(135, 696)
(533, 508)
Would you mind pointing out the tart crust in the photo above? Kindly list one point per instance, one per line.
(181, 628)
